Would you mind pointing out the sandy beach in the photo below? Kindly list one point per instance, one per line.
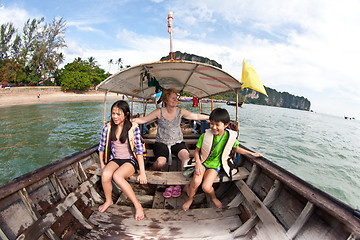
(26, 96)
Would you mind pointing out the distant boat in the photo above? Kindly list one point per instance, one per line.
(350, 118)
(233, 103)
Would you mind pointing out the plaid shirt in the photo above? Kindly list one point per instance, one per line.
(138, 143)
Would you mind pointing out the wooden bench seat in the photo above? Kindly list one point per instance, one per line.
(153, 136)
(169, 178)
(187, 141)
(150, 153)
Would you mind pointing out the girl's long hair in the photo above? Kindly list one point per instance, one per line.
(124, 106)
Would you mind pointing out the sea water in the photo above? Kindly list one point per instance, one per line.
(323, 150)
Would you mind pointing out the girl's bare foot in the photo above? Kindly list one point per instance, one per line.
(102, 208)
(217, 203)
(187, 205)
(139, 213)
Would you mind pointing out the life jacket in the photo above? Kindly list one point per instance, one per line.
(226, 158)
(131, 141)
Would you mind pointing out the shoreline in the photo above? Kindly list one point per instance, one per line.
(31, 97)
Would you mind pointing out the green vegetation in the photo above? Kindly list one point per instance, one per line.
(80, 75)
(33, 55)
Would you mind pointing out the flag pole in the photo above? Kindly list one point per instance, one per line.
(170, 22)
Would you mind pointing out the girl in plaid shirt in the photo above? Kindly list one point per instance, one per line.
(119, 158)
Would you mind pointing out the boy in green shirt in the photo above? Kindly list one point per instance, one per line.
(207, 167)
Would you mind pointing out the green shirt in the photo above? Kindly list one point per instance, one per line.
(214, 161)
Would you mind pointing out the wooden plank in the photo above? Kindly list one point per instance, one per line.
(170, 178)
(246, 227)
(187, 141)
(94, 194)
(34, 176)
(152, 136)
(2, 235)
(273, 193)
(237, 200)
(150, 153)
(46, 220)
(30, 207)
(331, 205)
(206, 223)
(301, 220)
(73, 209)
(273, 228)
(159, 200)
(254, 173)
(253, 220)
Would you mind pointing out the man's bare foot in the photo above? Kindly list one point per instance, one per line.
(102, 208)
(217, 203)
(187, 205)
(139, 213)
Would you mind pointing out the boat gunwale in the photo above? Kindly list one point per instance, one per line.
(36, 175)
(321, 199)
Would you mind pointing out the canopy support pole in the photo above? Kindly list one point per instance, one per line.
(212, 103)
(132, 105)
(200, 100)
(145, 106)
(105, 107)
(237, 110)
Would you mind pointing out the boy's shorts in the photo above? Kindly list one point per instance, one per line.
(216, 169)
(161, 149)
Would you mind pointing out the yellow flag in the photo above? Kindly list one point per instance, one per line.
(251, 80)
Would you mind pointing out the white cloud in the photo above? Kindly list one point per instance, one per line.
(7, 15)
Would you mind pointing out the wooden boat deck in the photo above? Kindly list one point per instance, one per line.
(118, 223)
(60, 201)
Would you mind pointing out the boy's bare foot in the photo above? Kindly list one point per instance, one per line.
(186, 189)
(102, 208)
(187, 205)
(139, 213)
(217, 203)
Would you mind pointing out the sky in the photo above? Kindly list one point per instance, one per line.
(305, 47)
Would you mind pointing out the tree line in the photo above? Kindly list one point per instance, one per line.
(32, 55)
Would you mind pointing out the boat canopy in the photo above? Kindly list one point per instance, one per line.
(144, 80)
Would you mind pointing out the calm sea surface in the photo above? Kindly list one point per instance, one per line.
(321, 149)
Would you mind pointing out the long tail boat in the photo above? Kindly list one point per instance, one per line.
(261, 201)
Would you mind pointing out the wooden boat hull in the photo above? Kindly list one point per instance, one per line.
(264, 201)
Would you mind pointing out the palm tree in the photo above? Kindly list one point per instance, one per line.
(119, 63)
(111, 61)
(92, 61)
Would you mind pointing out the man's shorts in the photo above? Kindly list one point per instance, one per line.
(161, 149)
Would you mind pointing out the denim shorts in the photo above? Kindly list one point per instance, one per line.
(216, 169)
